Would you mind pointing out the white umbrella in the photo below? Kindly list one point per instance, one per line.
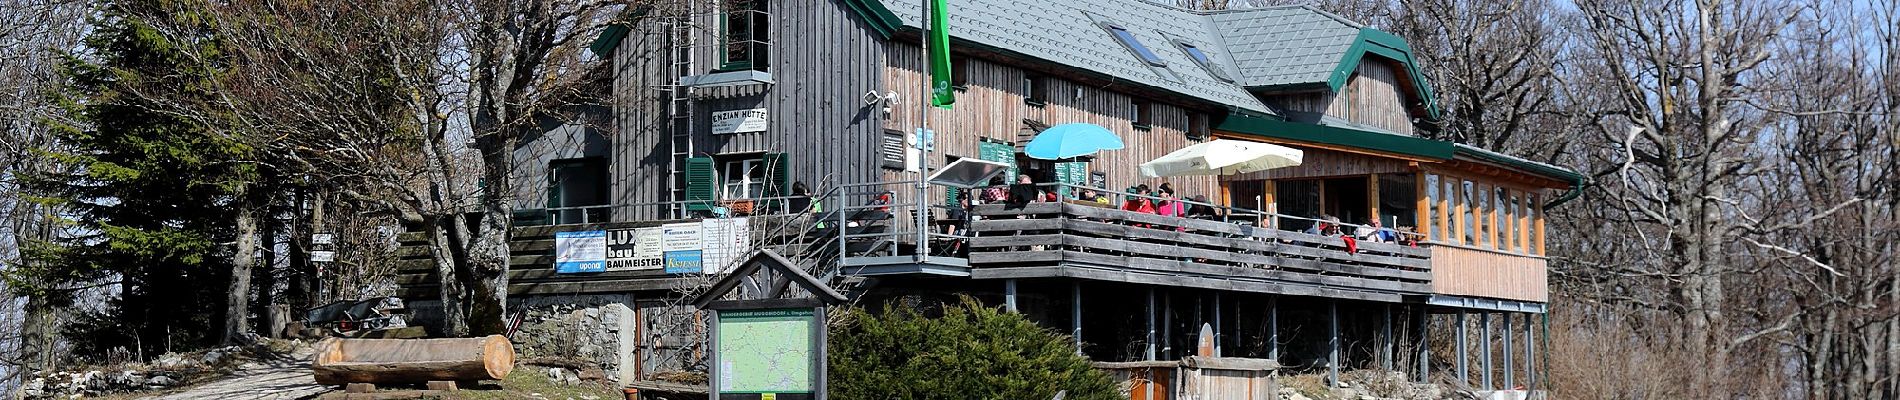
(1222, 157)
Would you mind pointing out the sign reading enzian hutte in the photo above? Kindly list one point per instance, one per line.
(738, 121)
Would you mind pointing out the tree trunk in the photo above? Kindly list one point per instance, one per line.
(445, 238)
(340, 361)
(237, 304)
(488, 249)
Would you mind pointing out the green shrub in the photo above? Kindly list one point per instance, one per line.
(970, 352)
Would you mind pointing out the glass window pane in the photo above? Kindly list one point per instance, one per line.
(1128, 39)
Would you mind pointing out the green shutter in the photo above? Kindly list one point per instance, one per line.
(702, 184)
(778, 174)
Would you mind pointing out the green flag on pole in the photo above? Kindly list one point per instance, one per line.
(941, 94)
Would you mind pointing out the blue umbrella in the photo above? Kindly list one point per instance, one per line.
(1071, 141)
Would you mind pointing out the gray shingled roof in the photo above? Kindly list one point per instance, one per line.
(1285, 45)
(1274, 46)
(1065, 32)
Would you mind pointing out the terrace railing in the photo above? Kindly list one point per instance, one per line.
(1088, 240)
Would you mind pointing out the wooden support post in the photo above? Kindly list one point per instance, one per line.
(1422, 211)
(1272, 206)
(1484, 346)
(1530, 352)
(1372, 196)
(1217, 327)
(1461, 201)
(1385, 338)
(1075, 314)
(1009, 295)
(1151, 323)
(1464, 369)
(1509, 366)
(1424, 344)
(1273, 328)
(1332, 344)
(1167, 325)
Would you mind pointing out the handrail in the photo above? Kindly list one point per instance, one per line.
(1123, 196)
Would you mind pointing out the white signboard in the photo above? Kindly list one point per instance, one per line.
(634, 249)
(322, 238)
(724, 240)
(680, 248)
(580, 252)
(323, 256)
(738, 121)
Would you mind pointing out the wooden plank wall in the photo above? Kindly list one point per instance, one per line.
(1372, 97)
(1467, 271)
(823, 60)
(992, 107)
(1208, 383)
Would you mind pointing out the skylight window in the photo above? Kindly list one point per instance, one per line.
(1133, 44)
(1206, 62)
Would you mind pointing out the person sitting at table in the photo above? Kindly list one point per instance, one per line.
(1098, 198)
(1323, 226)
(1024, 192)
(1201, 209)
(1139, 202)
(996, 193)
(1169, 207)
(1372, 232)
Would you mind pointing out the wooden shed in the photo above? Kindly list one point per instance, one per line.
(1195, 378)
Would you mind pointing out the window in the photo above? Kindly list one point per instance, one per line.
(745, 26)
(1128, 40)
(960, 73)
(1206, 62)
(742, 178)
(1142, 114)
(1035, 89)
(575, 187)
(1197, 126)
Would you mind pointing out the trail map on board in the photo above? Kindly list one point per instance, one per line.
(765, 351)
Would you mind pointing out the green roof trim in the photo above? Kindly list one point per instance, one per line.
(609, 39)
(877, 16)
(1338, 136)
(1390, 46)
(1546, 170)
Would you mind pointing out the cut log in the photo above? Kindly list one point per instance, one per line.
(412, 361)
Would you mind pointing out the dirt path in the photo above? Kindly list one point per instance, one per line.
(281, 379)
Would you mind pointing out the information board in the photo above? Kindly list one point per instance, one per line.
(681, 249)
(580, 252)
(767, 352)
(634, 249)
(724, 241)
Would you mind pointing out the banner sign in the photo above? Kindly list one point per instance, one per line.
(634, 249)
(723, 242)
(580, 252)
(681, 248)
